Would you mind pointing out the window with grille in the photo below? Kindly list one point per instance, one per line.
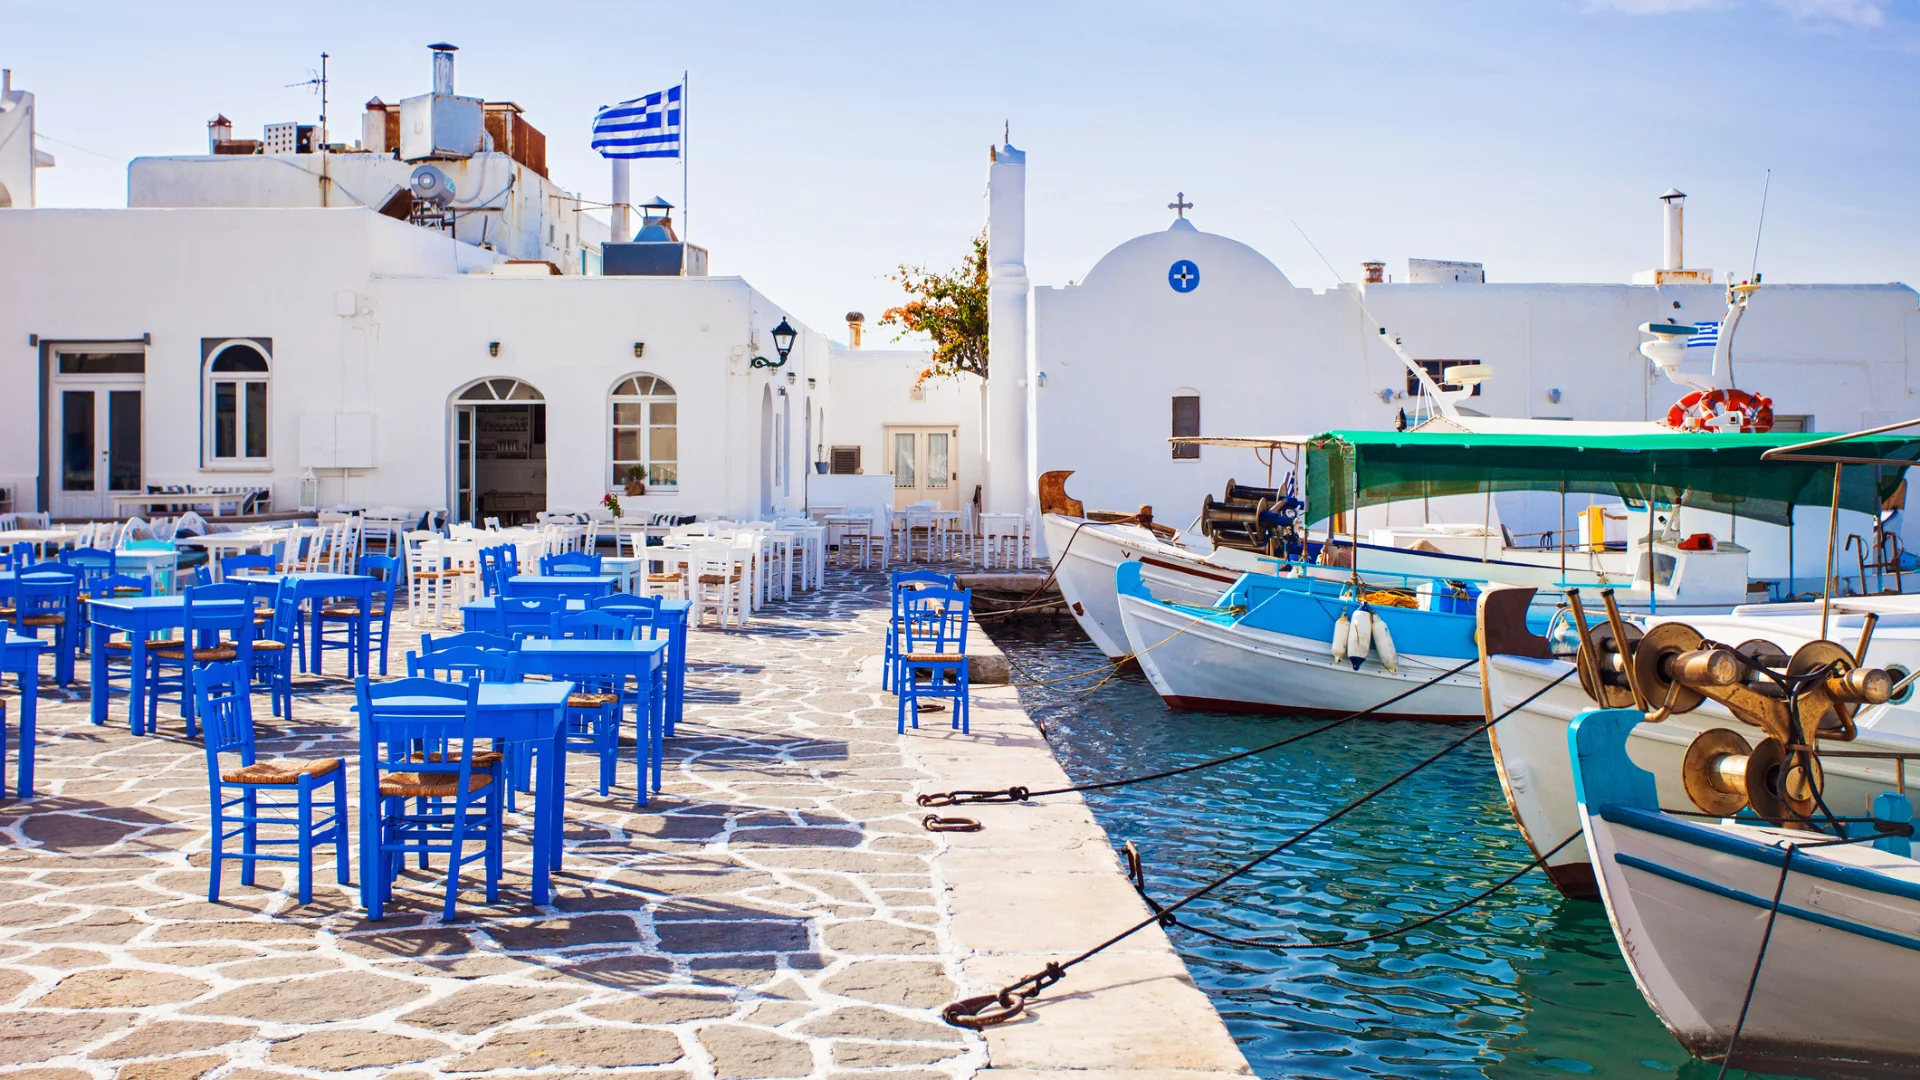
(1186, 421)
(843, 460)
(646, 432)
(236, 404)
(1435, 369)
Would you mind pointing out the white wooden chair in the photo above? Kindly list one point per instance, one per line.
(718, 581)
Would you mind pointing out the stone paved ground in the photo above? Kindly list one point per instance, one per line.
(779, 912)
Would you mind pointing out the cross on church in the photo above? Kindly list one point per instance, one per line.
(1182, 275)
(1180, 205)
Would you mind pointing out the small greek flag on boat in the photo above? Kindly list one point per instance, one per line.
(1706, 336)
(645, 127)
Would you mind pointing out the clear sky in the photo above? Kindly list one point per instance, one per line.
(830, 142)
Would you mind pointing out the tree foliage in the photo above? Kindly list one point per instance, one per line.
(950, 308)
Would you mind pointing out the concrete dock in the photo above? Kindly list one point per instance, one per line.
(778, 912)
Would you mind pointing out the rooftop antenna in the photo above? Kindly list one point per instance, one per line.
(318, 81)
(1753, 273)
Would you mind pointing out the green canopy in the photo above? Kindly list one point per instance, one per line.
(1712, 471)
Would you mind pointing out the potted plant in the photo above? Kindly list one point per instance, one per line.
(636, 480)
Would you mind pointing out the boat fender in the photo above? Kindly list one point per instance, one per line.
(1340, 634)
(1360, 640)
(1383, 644)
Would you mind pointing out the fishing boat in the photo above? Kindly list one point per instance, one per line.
(1306, 646)
(1784, 950)
(1316, 639)
(1538, 682)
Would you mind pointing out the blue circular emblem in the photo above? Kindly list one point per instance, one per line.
(1184, 276)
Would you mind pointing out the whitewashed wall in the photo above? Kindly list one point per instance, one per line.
(873, 388)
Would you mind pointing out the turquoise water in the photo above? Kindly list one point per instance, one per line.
(1527, 984)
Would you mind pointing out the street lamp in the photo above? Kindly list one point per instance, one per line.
(783, 338)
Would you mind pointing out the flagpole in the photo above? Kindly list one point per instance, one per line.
(684, 230)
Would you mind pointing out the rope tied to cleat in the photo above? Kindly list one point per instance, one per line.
(987, 1010)
(1020, 793)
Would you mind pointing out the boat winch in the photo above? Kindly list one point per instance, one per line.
(1794, 699)
(1251, 518)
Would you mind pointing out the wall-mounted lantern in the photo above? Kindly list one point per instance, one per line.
(493, 348)
(783, 337)
(639, 349)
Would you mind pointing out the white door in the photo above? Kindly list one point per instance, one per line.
(97, 445)
(923, 465)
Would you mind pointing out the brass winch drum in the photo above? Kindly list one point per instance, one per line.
(1715, 771)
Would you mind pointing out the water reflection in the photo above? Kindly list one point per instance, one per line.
(1525, 985)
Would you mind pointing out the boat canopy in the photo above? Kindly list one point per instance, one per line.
(1723, 472)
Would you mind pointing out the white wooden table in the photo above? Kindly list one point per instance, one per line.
(219, 545)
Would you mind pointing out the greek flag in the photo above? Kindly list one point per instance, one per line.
(646, 127)
(1706, 336)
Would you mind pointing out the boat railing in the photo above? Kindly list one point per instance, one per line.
(1899, 762)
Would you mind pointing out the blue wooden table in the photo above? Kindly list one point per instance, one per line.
(645, 661)
(140, 617)
(316, 589)
(527, 712)
(566, 586)
(483, 615)
(21, 656)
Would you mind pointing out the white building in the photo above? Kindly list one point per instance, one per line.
(1187, 332)
(255, 318)
(19, 158)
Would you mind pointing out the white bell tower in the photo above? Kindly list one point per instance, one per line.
(18, 157)
(1008, 480)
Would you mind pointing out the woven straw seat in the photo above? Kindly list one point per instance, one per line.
(349, 611)
(8, 611)
(719, 579)
(268, 645)
(286, 772)
(200, 656)
(118, 645)
(482, 759)
(406, 785)
(590, 701)
(662, 579)
(53, 619)
(933, 657)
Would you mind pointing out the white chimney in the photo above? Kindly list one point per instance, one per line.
(1672, 235)
(443, 67)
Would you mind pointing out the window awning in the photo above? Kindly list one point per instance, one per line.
(1723, 472)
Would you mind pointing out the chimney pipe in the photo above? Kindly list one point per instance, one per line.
(1373, 273)
(1673, 230)
(443, 67)
(854, 324)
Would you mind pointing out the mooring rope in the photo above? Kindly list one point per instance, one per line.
(1167, 918)
(1018, 793)
(987, 1010)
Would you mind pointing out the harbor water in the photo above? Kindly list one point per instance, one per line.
(1526, 984)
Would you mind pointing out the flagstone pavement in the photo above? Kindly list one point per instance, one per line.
(778, 911)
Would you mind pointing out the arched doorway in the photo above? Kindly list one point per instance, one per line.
(499, 466)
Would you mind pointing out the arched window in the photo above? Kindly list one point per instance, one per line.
(1186, 421)
(501, 390)
(236, 404)
(646, 431)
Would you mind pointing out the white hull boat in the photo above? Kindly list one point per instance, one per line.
(1213, 659)
(1530, 745)
(1690, 903)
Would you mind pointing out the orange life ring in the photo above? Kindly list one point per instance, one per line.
(1697, 410)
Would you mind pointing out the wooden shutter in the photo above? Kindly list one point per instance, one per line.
(1186, 421)
(845, 460)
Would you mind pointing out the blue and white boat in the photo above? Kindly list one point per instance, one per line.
(1299, 644)
(1691, 901)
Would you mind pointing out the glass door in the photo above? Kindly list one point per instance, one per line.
(99, 447)
(923, 467)
(464, 466)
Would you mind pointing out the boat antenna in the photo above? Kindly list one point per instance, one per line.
(1765, 187)
(1427, 384)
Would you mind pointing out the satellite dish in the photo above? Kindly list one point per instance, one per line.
(430, 185)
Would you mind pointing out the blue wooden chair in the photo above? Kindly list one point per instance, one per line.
(522, 616)
(497, 564)
(235, 565)
(16, 556)
(202, 575)
(46, 596)
(478, 663)
(273, 647)
(472, 639)
(594, 710)
(91, 562)
(257, 793)
(385, 570)
(117, 651)
(933, 643)
(171, 670)
(570, 562)
(903, 581)
(453, 802)
(641, 612)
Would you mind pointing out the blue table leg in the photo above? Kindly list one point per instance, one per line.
(677, 673)
(364, 653)
(549, 803)
(657, 721)
(370, 877)
(97, 675)
(313, 636)
(29, 706)
(136, 686)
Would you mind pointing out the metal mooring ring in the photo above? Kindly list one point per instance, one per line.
(983, 1011)
(936, 823)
